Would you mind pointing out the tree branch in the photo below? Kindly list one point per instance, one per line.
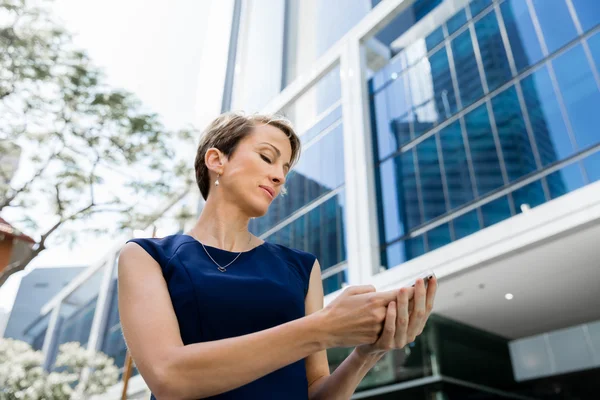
(9, 199)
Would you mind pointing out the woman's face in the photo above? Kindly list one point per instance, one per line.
(254, 174)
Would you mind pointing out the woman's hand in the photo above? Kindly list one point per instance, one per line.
(405, 319)
(356, 316)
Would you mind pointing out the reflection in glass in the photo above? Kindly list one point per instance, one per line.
(592, 167)
(434, 38)
(438, 237)
(456, 21)
(556, 23)
(456, 167)
(432, 189)
(479, 5)
(588, 13)
(334, 282)
(390, 197)
(594, 45)
(529, 196)
(493, 54)
(486, 164)
(321, 232)
(580, 94)
(466, 224)
(549, 128)
(469, 82)
(565, 180)
(495, 211)
(445, 98)
(516, 148)
(523, 40)
(383, 138)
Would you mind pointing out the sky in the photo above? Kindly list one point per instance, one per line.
(161, 52)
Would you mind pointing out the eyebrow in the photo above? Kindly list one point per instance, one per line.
(276, 151)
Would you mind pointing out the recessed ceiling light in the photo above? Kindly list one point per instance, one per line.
(508, 296)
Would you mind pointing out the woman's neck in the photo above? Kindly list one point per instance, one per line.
(224, 227)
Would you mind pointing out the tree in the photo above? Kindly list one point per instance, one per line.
(23, 377)
(73, 131)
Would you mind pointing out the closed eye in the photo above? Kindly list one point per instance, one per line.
(266, 159)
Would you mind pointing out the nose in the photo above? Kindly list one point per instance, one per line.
(278, 177)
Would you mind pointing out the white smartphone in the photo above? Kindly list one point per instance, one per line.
(411, 281)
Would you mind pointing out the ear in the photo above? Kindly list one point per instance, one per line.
(215, 160)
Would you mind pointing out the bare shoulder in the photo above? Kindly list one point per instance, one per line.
(134, 258)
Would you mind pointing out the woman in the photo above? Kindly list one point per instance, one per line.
(219, 313)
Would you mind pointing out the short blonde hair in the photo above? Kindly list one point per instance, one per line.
(226, 132)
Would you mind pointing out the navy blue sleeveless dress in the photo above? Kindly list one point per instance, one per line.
(265, 287)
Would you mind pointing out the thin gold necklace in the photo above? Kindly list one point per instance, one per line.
(220, 268)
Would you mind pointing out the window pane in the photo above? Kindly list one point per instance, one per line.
(592, 167)
(404, 251)
(458, 20)
(334, 282)
(299, 233)
(479, 5)
(565, 180)
(432, 188)
(594, 44)
(434, 38)
(384, 139)
(438, 237)
(588, 12)
(391, 256)
(466, 224)
(556, 23)
(460, 189)
(467, 73)
(414, 247)
(314, 225)
(341, 225)
(312, 27)
(516, 148)
(549, 128)
(580, 94)
(483, 151)
(493, 54)
(329, 233)
(530, 196)
(445, 98)
(401, 129)
(390, 199)
(496, 211)
(521, 33)
(408, 185)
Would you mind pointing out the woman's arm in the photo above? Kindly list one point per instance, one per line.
(343, 382)
(174, 370)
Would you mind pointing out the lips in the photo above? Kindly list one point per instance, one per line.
(268, 190)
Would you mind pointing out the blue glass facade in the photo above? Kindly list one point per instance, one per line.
(310, 216)
(493, 112)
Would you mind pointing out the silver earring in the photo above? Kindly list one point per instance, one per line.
(217, 181)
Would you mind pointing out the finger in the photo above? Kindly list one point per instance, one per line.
(402, 318)
(386, 340)
(384, 298)
(431, 290)
(360, 289)
(418, 315)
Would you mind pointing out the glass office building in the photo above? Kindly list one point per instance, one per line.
(425, 122)
(493, 111)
